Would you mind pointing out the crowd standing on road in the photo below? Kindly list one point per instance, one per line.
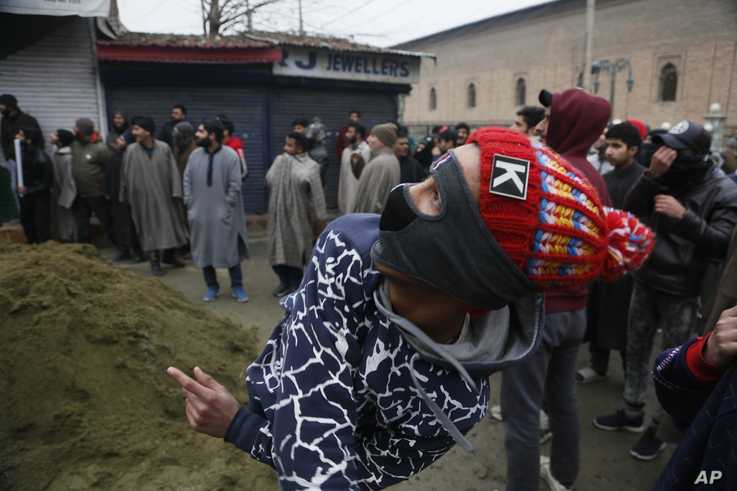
(466, 252)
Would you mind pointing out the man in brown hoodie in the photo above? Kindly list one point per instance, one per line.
(574, 120)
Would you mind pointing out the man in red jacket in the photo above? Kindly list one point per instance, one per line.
(574, 120)
(234, 142)
(354, 117)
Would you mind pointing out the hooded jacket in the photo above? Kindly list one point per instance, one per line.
(683, 248)
(349, 395)
(577, 119)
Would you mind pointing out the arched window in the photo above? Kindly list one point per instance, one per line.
(433, 99)
(668, 82)
(471, 95)
(520, 92)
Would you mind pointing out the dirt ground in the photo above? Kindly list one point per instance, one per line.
(605, 461)
(85, 400)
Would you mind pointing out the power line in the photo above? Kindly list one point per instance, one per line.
(351, 12)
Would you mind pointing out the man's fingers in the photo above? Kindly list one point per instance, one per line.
(206, 379)
(189, 384)
(729, 312)
(196, 402)
(191, 416)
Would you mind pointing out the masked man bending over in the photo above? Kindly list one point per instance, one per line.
(382, 359)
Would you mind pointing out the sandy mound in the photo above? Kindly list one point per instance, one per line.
(85, 401)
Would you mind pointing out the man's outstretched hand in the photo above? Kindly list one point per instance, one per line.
(721, 347)
(209, 406)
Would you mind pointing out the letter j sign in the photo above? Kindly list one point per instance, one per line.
(509, 177)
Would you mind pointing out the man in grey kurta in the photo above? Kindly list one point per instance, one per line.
(217, 222)
(151, 184)
(297, 212)
(382, 172)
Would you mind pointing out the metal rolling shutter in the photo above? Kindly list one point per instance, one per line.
(245, 106)
(332, 106)
(54, 79)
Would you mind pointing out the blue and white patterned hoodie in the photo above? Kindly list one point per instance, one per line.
(341, 399)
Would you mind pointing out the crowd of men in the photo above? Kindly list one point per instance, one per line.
(161, 195)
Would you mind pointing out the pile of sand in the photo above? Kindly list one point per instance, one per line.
(84, 399)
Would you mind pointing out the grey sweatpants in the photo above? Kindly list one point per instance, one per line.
(651, 310)
(547, 376)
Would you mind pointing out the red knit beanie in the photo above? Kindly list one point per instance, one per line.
(548, 218)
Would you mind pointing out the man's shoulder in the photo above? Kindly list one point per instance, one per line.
(358, 230)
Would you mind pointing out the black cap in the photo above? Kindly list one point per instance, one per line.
(686, 135)
(8, 100)
(545, 97)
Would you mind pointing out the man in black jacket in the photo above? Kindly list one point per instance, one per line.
(177, 115)
(13, 120)
(692, 206)
(38, 174)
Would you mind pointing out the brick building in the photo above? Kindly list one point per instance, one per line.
(682, 54)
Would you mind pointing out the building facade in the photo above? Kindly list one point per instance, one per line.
(262, 82)
(679, 56)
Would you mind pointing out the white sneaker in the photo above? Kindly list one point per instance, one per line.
(547, 476)
(496, 412)
(589, 375)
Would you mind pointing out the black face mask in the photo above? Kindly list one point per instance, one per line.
(687, 168)
(453, 252)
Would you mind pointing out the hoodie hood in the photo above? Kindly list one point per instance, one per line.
(577, 119)
(486, 344)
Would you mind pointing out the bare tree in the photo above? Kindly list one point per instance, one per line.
(222, 16)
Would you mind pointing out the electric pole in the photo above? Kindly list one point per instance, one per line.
(590, 6)
(249, 16)
(301, 26)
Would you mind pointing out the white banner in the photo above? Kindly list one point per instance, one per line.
(82, 8)
(342, 65)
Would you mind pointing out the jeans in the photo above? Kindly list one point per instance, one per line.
(651, 310)
(547, 377)
(289, 276)
(235, 272)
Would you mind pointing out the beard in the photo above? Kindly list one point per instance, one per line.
(202, 142)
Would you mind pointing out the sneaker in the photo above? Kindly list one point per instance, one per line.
(588, 375)
(620, 421)
(240, 294)
(547, 475)
(211, 294)
(649, 445)
(496, 412)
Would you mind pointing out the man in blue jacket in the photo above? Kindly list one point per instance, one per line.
(382, 360)
(697, 385)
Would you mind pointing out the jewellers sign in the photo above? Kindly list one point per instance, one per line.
(82, 8)
(365, 67)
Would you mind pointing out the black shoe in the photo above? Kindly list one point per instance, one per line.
(620, 421)
(649, 445)
(282, 291)
(173, 261)
(156, 267)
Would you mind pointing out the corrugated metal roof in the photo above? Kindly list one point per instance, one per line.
(259, 39)
(147, 39)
